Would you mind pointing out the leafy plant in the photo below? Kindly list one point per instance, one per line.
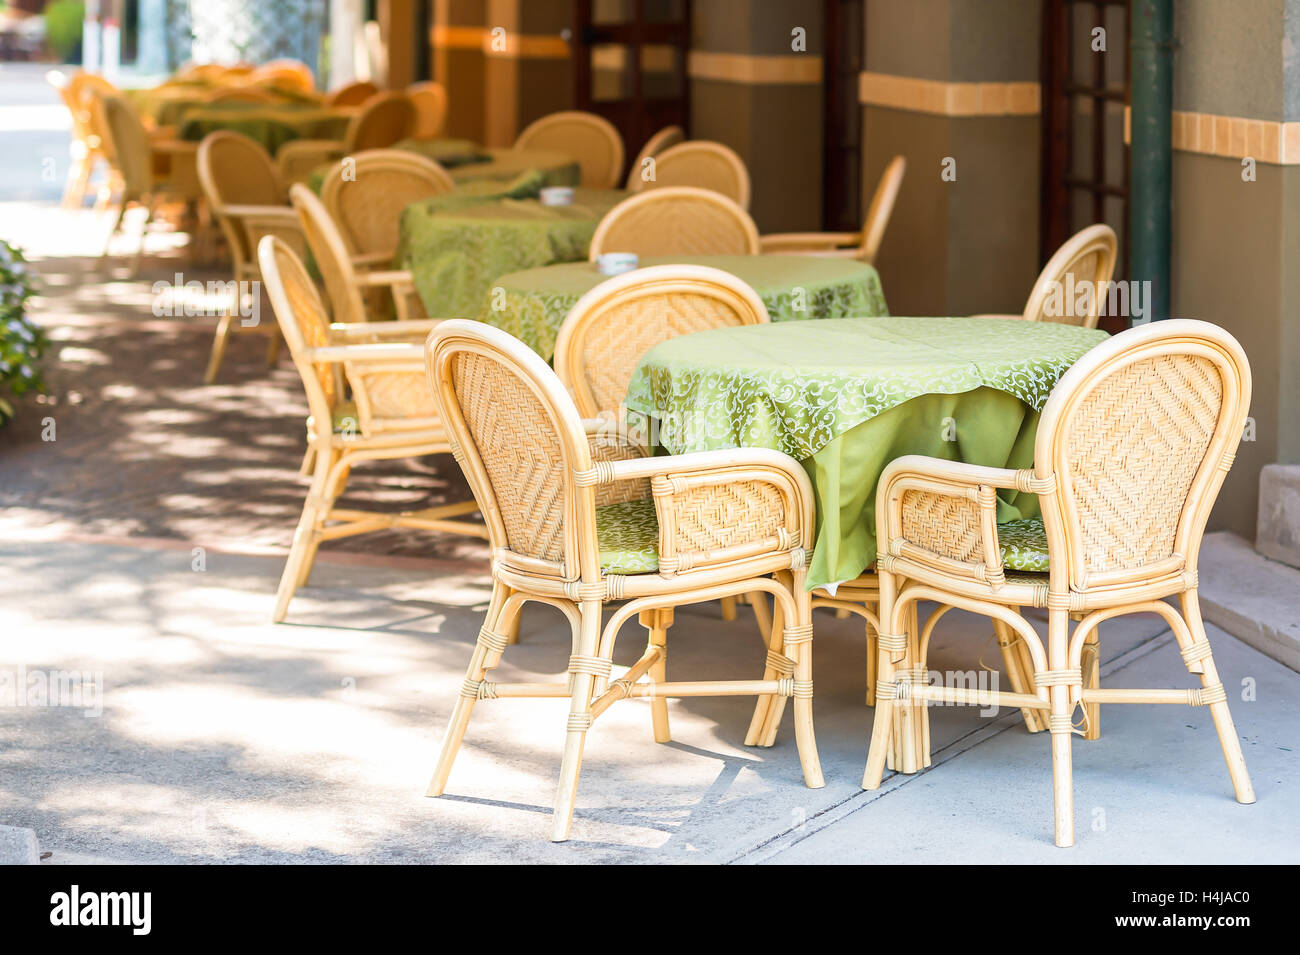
(22, 343)
(63, 19)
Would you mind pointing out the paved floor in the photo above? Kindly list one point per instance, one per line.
(225, 738)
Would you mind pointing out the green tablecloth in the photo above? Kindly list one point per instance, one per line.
(531, 305)
(457, 245)
(167, 105)
(272, 126)
(847, 396)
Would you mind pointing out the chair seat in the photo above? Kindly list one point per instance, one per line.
(1024, 545)
(628, 537)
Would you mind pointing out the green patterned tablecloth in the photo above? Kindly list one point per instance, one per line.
(531, 305)
(847, 396)
(272, 126)
(167, 105)
(457, 245)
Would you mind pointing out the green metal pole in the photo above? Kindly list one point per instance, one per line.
(1151, 150)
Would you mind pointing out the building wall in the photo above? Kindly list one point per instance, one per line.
(1236, 243)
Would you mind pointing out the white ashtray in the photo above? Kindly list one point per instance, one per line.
(616, 263)
(556, 196)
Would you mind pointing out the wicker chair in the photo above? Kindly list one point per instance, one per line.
(386, 118)
(578, 523)
(665, 138)
(1088, 255)
(246, 197)
(676, 220)
(1131, 450)
(136, 158)
(81, 93)
(367, 205)
(284, 74)
(84, 145)
(243, 94)
(612, 326)
(590, 139)
(351, 94)
(430, 101)
(344, 284)
(861, 245)
(702, 164)
(391, 414)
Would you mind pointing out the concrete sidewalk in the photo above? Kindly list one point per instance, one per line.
(224, 738)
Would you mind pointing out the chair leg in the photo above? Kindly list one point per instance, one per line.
(1091, 663)
(273, 349)
(799, 640)
(1060, 724)
(728, 608)
(872, 664)
(303, 548)
(218, 353)
(144, 234)
(485, 657)
(1013, 662)
(755, 736)
(882, 727)
(579, 723)
(1223, 724)
(657, 623)
(334, 488)
(117, 224)
(762, 616)
(308, 460)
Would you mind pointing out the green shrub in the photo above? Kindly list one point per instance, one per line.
(22, 343)
(63, 20)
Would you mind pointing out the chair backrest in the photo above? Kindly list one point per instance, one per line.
(386, 118)
(430, 100)
(367, 208)
(288, 74)
(881, 208)
(676, 220)
(666, 137)
(303, 321)
(235, 170)
(1088, 255)
(1138, 436)
(331, 255)
(590, 139)
(131, 153)
(612, 326)
(242, 94)
(704, 165)
(521, 442)
(82, 92)
(351, 94)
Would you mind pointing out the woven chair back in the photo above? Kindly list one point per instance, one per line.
(702, 164)
(331, 255)
(676, 220)
(301, 315)
(430, 101)
(367, 205)
(590, 139)
(386, 118)
(1088, 256)
(666, 137)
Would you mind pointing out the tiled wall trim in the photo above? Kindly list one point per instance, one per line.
(949, 99)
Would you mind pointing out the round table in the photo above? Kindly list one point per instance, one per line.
(167, 105)
(847, 396)
(272, 126)
(532, 304)
(456, 245)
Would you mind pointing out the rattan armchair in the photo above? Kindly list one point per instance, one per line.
(345, 284)
(1131, 450)
(1087, 259)
(590, 139)
(385, 119)
(702, 164)
(861, 245)
(608, 330)
(676, 220)
(578, 523)
(390, 415)
(137, 158)
(284, 74)
(249, 201)
(665, 138)
(430, 101)
(351, 94)
(366, 204)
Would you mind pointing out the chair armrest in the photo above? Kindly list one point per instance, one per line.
(607, 442)
(397, 352)
(174, 146)
(412, 329)
(280, 215)
(386, 277)
(367, 259)
(942, 517)
(766, 497)
(779, 242)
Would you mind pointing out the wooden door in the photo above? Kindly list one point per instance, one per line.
(630, 65)
(842, 201)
